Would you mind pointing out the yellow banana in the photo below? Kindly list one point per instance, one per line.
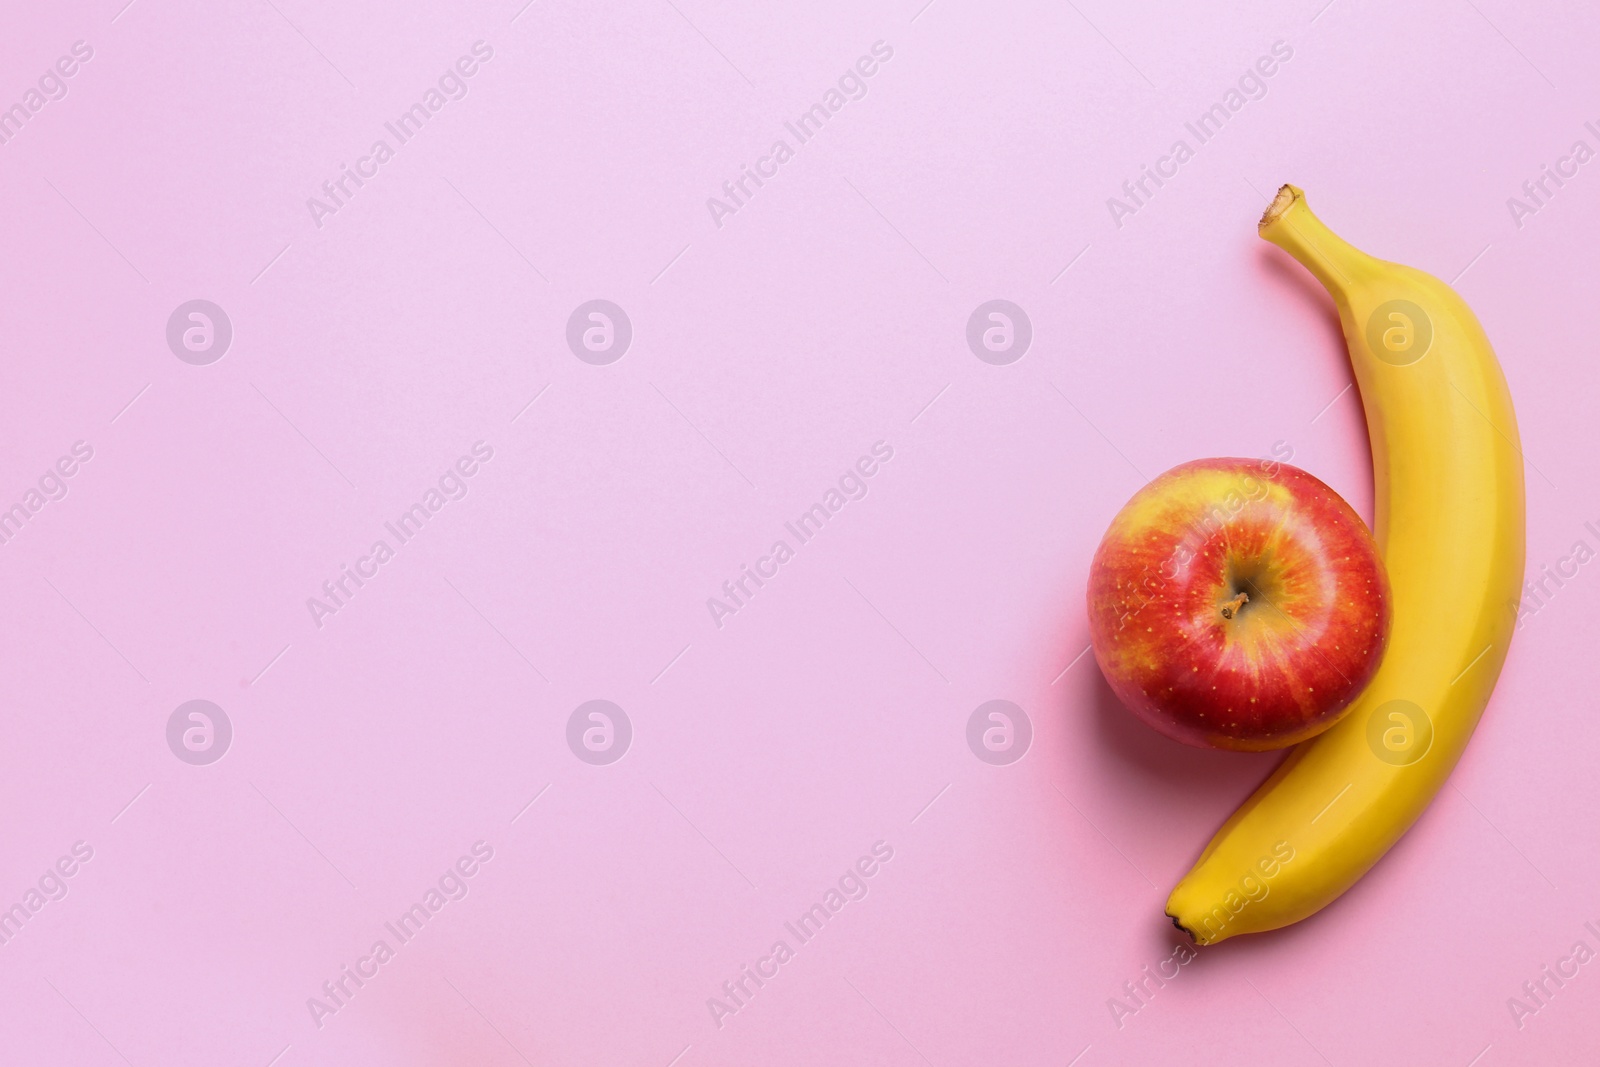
(1447, 471)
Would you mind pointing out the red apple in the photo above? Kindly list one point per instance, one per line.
(1238, 604)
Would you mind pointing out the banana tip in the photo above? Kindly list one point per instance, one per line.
(1287, 195)
(1186, 931)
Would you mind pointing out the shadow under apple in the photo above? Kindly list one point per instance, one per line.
(1167, 771)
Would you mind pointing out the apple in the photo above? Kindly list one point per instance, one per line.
(1238, 604)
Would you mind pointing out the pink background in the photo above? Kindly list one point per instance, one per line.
(768, 354)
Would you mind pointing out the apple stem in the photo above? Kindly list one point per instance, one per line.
(1231, 607)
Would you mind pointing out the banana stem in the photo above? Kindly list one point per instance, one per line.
(1337, 264)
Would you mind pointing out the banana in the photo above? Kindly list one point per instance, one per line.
(1447, 472)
